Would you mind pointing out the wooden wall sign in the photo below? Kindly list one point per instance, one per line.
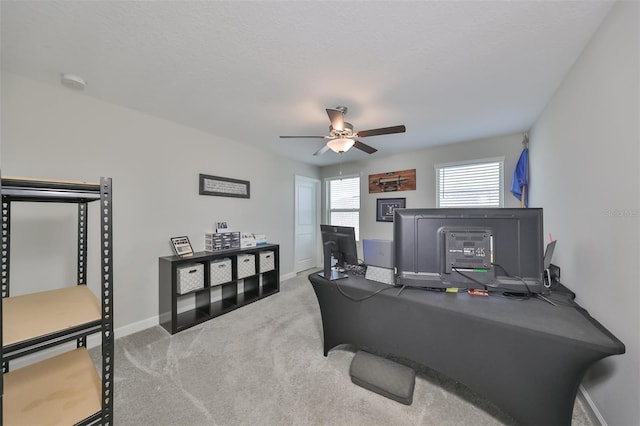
(404, 180)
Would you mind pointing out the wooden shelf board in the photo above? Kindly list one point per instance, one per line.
(255, 294)
(268, 291)
(48, 190)
(221, 307)
(39, 314)
(247, 297)
(191, 317)
(268, 288)
(46, 181)
(61, 390)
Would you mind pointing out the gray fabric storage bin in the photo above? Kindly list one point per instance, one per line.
(190, 277)
(220, 271)
(246, 265)
(267, 261)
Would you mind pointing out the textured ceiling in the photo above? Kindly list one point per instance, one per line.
(251, 71)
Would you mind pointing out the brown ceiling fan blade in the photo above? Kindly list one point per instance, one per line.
(381, 131)
(322, 150)
(336, 117)
(364, 147)
(290, 137)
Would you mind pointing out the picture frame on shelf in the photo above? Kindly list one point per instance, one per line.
(221, 227)
(386, 206)
(182, 246)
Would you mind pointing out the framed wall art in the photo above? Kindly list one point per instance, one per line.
(386, 206)
(223, 187)
(403, 180)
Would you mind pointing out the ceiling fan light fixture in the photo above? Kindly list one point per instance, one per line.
(340, 145)
(341, 136)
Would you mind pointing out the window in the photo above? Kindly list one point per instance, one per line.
(343, 195)
(472, 184)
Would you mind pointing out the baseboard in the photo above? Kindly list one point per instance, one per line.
(137, 326)
(595, 413)
(93, 341)
(288, 276)
(149, 322)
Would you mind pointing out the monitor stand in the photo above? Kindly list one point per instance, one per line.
(334, 275)
(328, 272)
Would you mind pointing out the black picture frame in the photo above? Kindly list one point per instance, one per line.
(386, 206)
(182, 246)
(224, 187)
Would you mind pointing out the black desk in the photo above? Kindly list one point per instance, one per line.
(526, 356)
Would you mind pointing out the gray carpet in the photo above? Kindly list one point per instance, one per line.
(263, 365)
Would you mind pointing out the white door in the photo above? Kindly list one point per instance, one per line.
(307, 227)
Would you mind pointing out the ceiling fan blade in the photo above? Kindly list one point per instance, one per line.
(291, 137)
(381, 131)
(364, 147)
(322, 150)
(336, 117)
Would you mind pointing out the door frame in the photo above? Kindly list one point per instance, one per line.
(318, 197)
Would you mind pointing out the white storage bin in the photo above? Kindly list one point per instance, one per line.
(246, 265)
(190, 277)
(383, 275)
(247, 242)
(267, 261)
(220, 271)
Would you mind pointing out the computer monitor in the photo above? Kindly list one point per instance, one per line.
(378, 253)
(339, 245)
(482, 248)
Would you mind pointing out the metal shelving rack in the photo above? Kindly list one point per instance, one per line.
(42, 320)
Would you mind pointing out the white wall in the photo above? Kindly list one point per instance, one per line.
(584, 171)
(54, 132)
(424, 161)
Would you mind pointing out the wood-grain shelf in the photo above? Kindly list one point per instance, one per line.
(62, 390)
(40, 314)
(47, 182)
(59, 191)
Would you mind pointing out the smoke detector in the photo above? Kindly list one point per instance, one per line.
(72, 81)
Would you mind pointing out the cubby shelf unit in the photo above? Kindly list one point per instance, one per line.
(256, 286)
(64, 389)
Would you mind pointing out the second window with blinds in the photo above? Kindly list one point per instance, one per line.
(343, 202)
(476, 183)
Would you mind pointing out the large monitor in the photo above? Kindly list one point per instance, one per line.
(482, 248)
(339, 248)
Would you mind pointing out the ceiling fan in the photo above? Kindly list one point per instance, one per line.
(342, 137)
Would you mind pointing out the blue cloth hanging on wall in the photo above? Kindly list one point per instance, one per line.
(520, 177)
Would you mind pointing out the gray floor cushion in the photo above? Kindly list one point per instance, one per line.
(383, 376)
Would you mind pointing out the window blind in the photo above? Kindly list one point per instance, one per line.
(344, 202)
(477, 184)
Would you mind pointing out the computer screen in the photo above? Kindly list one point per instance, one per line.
(482, 248)
(378, 253)
(339, 248)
